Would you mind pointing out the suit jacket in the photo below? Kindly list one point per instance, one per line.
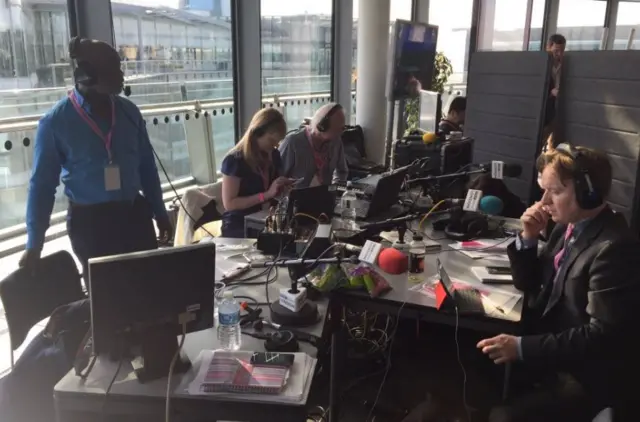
(586, 320)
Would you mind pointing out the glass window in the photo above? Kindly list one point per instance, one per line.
(502, 25)
(582, 23)
(628, 19)
(177, 55)
(296, 49)
(537, 21)
(34, 74)
(453, 18)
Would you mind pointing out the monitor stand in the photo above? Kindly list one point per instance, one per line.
(159, 345)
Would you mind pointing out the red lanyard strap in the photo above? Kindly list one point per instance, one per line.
(320, 159)
(106, 138)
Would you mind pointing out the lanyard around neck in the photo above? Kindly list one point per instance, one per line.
(106, 137)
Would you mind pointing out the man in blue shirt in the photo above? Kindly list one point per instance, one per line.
(98, 142)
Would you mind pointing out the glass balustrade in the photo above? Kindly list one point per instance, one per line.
(167, 134)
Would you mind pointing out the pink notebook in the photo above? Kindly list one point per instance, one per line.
(227, 373)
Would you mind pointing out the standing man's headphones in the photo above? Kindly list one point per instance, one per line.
(325, 123)
(586, 195)
(83, 71)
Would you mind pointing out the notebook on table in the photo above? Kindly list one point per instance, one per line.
(231, 372)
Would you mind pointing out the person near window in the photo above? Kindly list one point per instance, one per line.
(315, 153)
(98, 142)
(251, 172)
(455, 116)
(555, 47)
(583, 298)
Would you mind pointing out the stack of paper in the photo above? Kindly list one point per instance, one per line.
(493, 249)
(295, 390)
(485, 276)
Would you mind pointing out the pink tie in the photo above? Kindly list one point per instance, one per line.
(560, 254)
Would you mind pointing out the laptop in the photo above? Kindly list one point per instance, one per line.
(313, 201)
(384, 197)
(468, 301)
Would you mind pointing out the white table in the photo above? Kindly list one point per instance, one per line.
(130, 400)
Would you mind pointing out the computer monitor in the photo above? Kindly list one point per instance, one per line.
(412, 55)
(430, 110)
(139, 301)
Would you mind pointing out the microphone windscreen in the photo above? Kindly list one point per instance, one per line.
(512, 170)
(491, 205)
(392, 261)
(429, 137)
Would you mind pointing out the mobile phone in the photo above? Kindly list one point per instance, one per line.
(499, 270)
(272, 359)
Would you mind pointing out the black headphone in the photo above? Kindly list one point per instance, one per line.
(325, 123)
(470, 226)
(83, 71)
(586, 195)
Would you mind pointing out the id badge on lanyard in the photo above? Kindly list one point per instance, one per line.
(111, 171)
(319, 159)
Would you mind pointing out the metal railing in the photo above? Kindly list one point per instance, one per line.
(166, 124)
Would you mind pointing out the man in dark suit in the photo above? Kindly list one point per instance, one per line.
(454, 121)
(582, 292)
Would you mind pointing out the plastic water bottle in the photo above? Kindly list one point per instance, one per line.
(229, 334)
(348, 205)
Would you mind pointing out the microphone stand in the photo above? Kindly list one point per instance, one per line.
(448, 176)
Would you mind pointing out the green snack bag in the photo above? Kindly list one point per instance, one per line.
(356, 281)
(369, 282)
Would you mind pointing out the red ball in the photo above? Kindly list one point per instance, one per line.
(393, 261)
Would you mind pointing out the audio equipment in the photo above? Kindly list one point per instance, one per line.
(586, 195)
(83, 71)
(325, 123)
(468, 226)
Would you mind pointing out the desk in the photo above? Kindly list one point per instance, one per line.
(402, 302)
(131, 401)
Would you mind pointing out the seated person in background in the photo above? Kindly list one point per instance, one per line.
(583, 297)
(315, 153)
(513, 207)
(251, 172)
(455, 117)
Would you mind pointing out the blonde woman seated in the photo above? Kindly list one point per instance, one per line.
(251, 171)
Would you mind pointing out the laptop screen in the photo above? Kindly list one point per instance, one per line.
(444, 278)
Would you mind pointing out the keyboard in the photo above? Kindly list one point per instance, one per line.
(469, 301)
(359, 189)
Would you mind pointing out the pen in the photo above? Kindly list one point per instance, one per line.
(496, 307)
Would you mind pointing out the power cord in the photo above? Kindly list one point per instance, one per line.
(464, 372)
(113, 380)
(176, 356)
(386, 371)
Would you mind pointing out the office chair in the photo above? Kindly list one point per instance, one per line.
(28, 298)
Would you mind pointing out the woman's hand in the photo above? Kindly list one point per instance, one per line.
(277, 186)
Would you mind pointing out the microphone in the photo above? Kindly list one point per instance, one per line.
(294, 262)
(491, 205)
(507, 170)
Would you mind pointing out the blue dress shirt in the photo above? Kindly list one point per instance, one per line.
(524, 244)
(65, 144)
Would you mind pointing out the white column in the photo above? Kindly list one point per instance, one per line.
(371, 102)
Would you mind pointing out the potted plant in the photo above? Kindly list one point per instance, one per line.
(442, 70)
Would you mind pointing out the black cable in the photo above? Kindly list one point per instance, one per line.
(178, 197)
(106, 394)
